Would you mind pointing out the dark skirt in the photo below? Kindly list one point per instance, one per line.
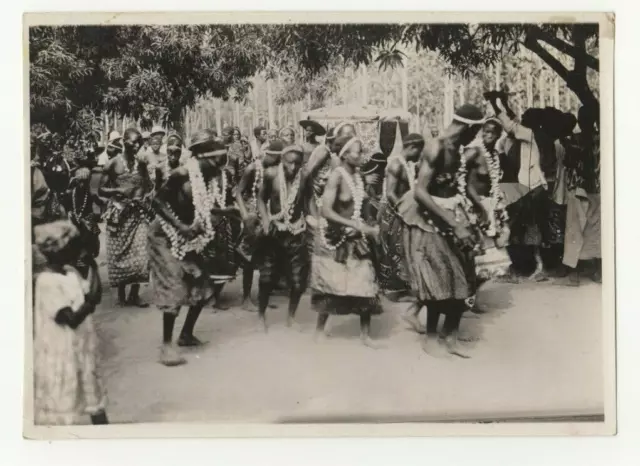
(394, 273)
(282, 253)
(345, 281)
(176, 282)
(325, 303)
(127, 235)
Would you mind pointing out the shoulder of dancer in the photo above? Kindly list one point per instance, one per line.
(394, 166)
(432, 151)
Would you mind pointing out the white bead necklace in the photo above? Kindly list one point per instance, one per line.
(356, 187)
(282, 219)
(78, 214)
(204, 199)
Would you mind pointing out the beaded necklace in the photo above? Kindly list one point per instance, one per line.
(125, 162)
(283, 218)
(258, 177)
(76, 213)
(356, 187)
(495, 174)
(204, 199)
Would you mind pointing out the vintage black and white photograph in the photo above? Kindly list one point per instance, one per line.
(307, 220)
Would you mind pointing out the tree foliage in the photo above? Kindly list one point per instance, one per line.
(155, 73)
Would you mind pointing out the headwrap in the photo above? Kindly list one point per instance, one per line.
(413, 138)
(341, 125)
(82, 174)
(293, 148)
(55, 236)
(345, 142)
(287, 129)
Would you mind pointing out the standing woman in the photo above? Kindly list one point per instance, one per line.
(344, 264)
(126, 182)
(67, 383)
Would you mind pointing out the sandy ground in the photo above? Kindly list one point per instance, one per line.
(539, 351)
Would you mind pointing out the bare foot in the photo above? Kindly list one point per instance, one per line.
(249, 306)
(170, 357)
(414, 323)
(218, 306)
(430, 346)
(137, 302)
(320, 336)
(369, 343)
(508, 278)
(467, 337)
(263, 325)
(573, 279)
(189, 341)
(293, 325)
(451, 345)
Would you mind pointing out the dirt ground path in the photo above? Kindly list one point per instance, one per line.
(539, 350)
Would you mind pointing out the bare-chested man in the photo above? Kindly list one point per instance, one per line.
(400, 177)
(246, 195)
(181, 238)
(283, 246)
(440, 239)
(126, 183)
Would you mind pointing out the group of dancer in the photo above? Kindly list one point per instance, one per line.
(187, 218)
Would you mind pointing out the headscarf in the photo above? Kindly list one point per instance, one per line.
(55, 236)
(343, 143)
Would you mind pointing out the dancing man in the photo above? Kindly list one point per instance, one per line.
(283, 246)
(400, 177)
(247, 194)
(344, 271)
(178, 238)
(126, 183)
(439, 238)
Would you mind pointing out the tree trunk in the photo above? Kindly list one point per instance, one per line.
(498, 69)
(106, 127)
(344, 87)
(255, 103)
(237, 114)
(463, 92)
(405, 86)
(529, 87)
(364, 84)
(417, 125)
(567, 100)
(272, 122)
(124, 124)
(541, 88)
(576, 79)
(218, 109)
(448, 102)
(556, 92)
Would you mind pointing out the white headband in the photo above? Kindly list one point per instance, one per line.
(347, 145)
(339, 127)
(468, 121)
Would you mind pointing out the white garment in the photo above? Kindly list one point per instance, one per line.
(530, 173)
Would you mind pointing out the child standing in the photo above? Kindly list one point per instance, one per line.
(67, 383)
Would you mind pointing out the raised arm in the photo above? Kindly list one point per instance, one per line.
(263, 198)
(392, 174)
(244, 184)
(107, 176)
